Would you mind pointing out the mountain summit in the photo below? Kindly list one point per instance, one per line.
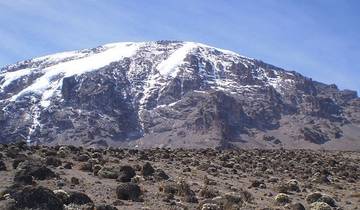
(171, 94)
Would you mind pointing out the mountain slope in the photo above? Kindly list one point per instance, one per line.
(177, 94)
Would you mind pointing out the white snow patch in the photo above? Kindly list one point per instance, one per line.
(224, 51)
(47, 84)
(200, 91)
(170, 66)
(35, 115)
(149, 85)
(59, 56)
(45, 103)
(167, 105)
(278, 81)
(9, 77)
(275, 82)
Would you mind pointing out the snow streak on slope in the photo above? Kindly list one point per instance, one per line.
(9, 77)
(169, 66)
(52, 76)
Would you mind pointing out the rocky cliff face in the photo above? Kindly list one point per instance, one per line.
(171, 94)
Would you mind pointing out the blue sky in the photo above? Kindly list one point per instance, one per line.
(318, 38)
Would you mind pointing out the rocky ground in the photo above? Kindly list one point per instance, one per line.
(68, 177)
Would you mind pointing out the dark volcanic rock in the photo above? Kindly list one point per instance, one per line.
(128, 191)
(37, 198)
(78, 198)
(35, 169)
(161, 175)
(53, 161)
(147, 169)
(18, 160)
(126, 173)
(23, 179)
(74, 181)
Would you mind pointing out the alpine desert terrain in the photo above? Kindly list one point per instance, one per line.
(69, 177)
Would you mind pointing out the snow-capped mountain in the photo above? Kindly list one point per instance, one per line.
(169, 93)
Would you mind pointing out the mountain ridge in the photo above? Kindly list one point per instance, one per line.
(171, 94)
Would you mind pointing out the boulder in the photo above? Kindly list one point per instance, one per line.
(320, 206)
(126, 173)
(62, 195)
(108, 173)
(37, 198)
(147, 169)
(35, 169)
(319, 197)
(295, 206)
(78, 198)
(161, 175)
(53, 161)
(128, 191)
(282, 199)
